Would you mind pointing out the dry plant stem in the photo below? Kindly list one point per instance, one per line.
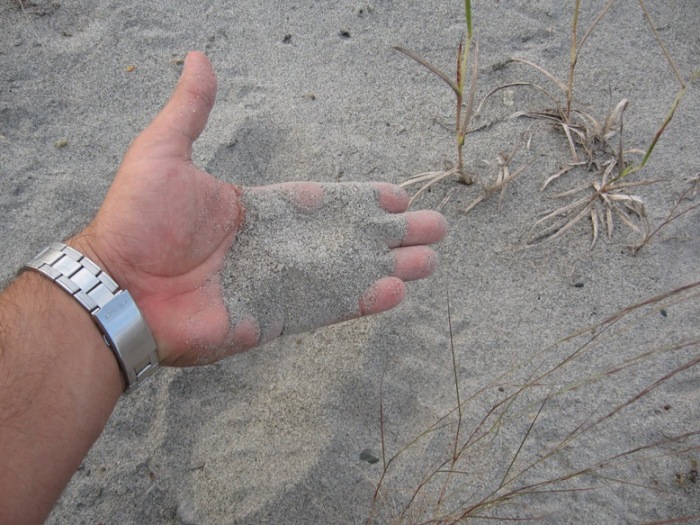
(461, 121)
(546, 73)
(505, 480)
(576, 48)
(674, 105)
(597, 19)
(661, 44)
(433, 177)
(464, 110)
(423, 62)
(535, 488)
(558, 174)
(673, 214)
(514, 84)
(455, 455)
(573, 58)
(494, 498)
(468, 113)
(508, 490)
(475, 437)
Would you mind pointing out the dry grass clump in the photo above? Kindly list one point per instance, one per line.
(596, 145)
(504, 176)
(607, 196)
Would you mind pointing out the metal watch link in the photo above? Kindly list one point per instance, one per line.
(123, 327)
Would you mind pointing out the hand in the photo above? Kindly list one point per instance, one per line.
(167, 231)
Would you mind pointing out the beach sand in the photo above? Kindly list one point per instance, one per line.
(314, 90)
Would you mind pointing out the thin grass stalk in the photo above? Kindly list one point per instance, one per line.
(597, 19)
(462, 61)
(490, 500)
(674, 105)
(463, 124)
(423, 62)
(621, 151)
(672, 215)
(462, 58)
(514, 84)
(661, 44)
(577, 46)
(583, 428)
(469, 442)
(573, 58)
(505, 480)
(664, 300)
(546, 73)
(468, 16)
(455, 455)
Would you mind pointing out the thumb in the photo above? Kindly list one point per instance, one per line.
(183, 118)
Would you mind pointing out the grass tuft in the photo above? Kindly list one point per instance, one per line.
(597, 146)
(464, 105)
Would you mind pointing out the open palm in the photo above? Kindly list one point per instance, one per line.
(165, 229)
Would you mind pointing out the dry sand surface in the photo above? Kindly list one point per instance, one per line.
(312, 90)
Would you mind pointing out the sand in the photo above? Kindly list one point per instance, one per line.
(314, 91)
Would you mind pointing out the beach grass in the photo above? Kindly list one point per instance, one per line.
(464, 103)
(553, 457)
(595, 144)
(530, 400)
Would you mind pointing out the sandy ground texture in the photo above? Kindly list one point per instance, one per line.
(312, 90)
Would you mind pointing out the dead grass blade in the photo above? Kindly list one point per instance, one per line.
(423, 62)
(463, 128)
(434, 179)
(674, 105)
(674, 214)
(530, 481)
(597, 19)
(514, 84)
(554, 177)
(503, 178)
(661, 44)
(542, 70)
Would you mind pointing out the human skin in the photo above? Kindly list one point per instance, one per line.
(162, 232)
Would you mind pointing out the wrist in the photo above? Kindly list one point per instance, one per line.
(37, 313)
(86, 243)
(114, 311)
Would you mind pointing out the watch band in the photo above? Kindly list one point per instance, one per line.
(123, 327)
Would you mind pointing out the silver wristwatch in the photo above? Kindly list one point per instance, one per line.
(123, 327)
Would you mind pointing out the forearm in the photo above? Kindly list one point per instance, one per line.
(58, 385)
